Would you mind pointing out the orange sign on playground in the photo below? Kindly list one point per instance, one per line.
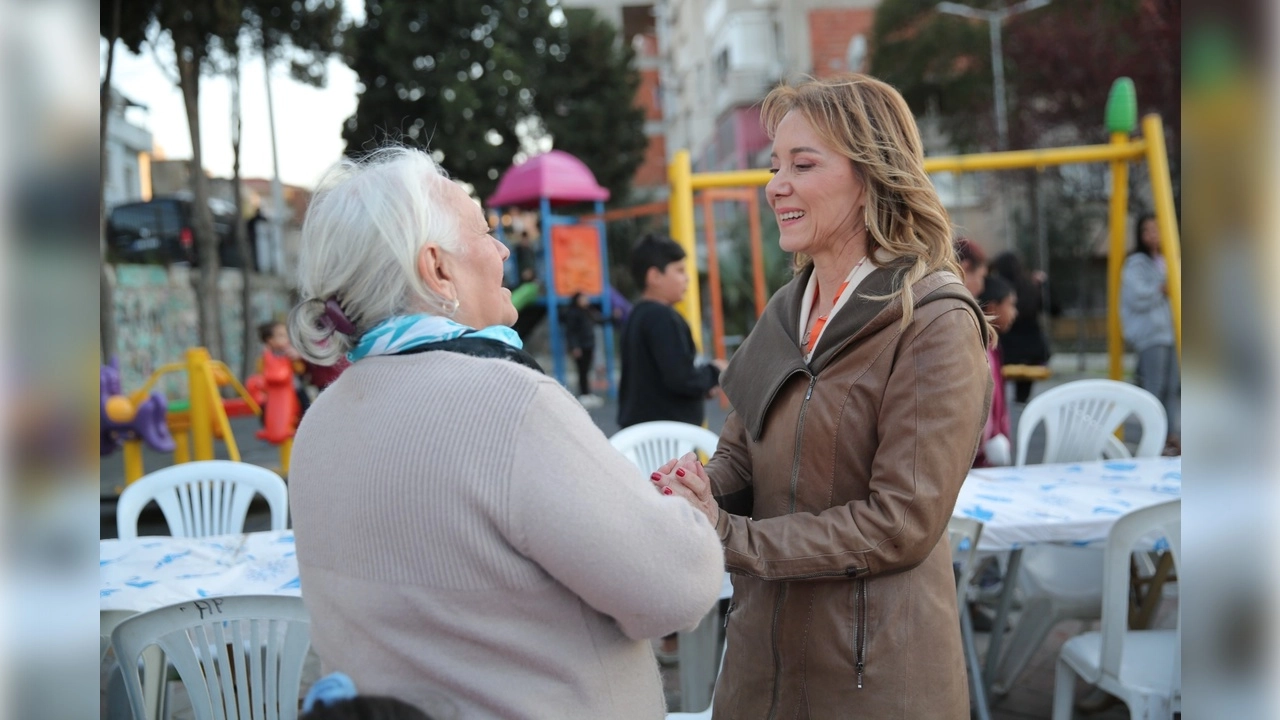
(575, 251)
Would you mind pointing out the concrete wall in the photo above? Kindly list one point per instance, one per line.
(156, 319)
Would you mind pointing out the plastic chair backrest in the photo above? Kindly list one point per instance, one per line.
(203, 498)
(153, 661)
(1080, 419)
(239, 656)
(1165, 519)
(651, 444)
(963, 534)
(107, 622)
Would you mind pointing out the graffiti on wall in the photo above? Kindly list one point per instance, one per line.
(156, 319)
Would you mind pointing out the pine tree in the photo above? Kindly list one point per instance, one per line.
(456, 77)
(481, 83)
(587, 102)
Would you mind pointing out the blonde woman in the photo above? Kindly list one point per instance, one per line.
(859, 399)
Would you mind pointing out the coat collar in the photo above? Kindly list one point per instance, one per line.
(771, 353)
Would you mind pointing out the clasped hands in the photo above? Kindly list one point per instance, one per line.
(685, 476)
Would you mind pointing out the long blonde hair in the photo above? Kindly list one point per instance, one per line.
(867, 121)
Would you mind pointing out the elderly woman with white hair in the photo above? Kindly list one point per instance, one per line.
(467, 538)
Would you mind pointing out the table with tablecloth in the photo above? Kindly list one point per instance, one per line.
(1071, 503)
(149, 572)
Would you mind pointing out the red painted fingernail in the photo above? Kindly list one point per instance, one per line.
(679, 472)
(666, 491)
(655, 477)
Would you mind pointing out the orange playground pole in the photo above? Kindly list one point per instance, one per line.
(743, 195)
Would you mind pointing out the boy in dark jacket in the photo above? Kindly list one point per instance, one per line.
(660, 378)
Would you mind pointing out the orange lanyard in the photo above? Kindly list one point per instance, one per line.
(812, 338)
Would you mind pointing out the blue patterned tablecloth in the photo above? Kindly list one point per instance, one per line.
(153, 571)
(1070, 503)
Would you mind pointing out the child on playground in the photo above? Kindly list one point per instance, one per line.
(580, 336)
(661, 379)
(999, 302)
(275, 342)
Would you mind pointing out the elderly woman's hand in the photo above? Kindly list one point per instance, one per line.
(686, 477)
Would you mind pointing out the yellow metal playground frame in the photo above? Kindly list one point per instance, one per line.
(1122, 150)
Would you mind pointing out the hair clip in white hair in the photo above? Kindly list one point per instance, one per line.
(336, 319)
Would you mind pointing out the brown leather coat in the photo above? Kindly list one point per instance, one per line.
(836, 480)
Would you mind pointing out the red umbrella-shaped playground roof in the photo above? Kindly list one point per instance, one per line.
(556, 175)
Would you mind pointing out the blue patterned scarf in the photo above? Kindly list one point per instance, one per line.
(399, 333)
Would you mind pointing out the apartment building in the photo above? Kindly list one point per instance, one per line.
(720, 57)
(127, 166)
(706, 64)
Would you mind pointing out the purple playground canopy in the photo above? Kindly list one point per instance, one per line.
(556, 175)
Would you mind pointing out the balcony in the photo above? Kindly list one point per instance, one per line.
(741, 86)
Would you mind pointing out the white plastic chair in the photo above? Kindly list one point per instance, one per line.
(963, 535)
(238, 657)
(1080, 419)
(153, 679)
(651, 444)
(1062, 582)
(203, 498)
(1141, 667)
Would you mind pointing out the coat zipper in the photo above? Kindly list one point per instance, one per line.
(795, 458)
(782, 589)
(860, 628)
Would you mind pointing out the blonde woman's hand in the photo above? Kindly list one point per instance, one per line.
(686, 477)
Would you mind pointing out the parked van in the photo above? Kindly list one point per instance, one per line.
(161, 232)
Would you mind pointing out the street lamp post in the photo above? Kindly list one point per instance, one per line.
(995, 21)
(276, 255)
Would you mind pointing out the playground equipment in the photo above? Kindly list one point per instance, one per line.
(127, 421)
(1121, 122)
(752, 199)
(574, 254)
(191, 427)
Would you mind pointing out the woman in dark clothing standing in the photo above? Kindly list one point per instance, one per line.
(1025, 342)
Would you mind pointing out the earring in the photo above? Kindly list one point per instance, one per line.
(450, 307)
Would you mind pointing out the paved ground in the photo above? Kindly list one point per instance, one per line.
(1032, 698)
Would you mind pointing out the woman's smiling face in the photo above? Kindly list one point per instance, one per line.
(816, 196)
